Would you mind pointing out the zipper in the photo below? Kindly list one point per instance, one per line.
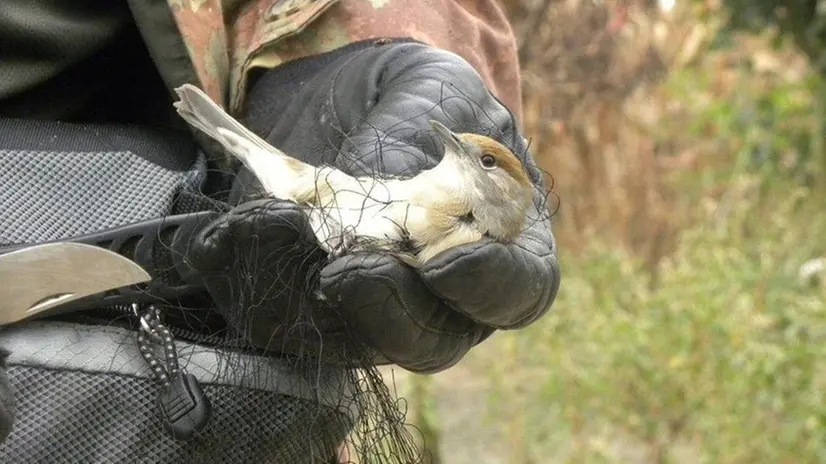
(184, 334)
(184, 407)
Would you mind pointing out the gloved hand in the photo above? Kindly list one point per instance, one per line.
(365, 109)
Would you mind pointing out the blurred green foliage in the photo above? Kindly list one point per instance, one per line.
(801, 20)
(775, 129)
(722, 362)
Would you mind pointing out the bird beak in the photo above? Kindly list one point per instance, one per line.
(447, 137)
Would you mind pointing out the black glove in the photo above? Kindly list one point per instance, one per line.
(365, 109)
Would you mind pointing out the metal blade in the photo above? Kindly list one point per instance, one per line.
(43, 277)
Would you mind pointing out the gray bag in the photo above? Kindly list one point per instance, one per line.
(85, 392)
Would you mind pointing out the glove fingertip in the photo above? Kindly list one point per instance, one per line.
(502, 286)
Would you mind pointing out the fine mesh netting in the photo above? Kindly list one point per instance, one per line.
(84, 395)
(68, 416)
(82, 192)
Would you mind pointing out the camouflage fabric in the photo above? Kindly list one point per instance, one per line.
(225, 39)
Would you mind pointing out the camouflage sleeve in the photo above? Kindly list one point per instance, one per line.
(476, 30)
(267, 33)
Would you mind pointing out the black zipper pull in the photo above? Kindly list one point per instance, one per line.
(184, 408)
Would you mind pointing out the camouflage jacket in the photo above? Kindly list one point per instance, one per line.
(216, 43)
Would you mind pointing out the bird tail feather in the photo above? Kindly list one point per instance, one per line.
(197, 109)
(278, 172)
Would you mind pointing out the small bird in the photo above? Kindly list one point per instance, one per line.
(479, 188)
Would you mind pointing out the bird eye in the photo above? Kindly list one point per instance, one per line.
(488, 161)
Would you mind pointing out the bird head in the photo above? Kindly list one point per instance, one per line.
(493, 181)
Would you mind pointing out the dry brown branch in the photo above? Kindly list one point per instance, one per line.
(590, 73)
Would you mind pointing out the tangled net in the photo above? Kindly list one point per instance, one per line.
(342, 408)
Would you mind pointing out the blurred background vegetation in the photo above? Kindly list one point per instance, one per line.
(686, 143)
